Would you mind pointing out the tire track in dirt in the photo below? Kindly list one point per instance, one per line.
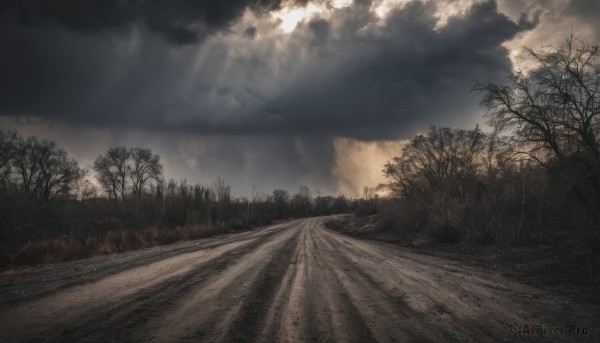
(448, 302)
(109, 307)
(293, 283)
(235, 296)
(375, 306)
(36, 283)
(310, 304)
(120, 320)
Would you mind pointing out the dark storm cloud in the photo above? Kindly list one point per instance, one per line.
(404, 73)
(253, 104)
(179, 21)
(349, 75)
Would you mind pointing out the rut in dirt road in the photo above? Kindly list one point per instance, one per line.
(293, 282)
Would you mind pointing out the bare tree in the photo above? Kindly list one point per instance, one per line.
(112, 172)
(223, 194)
(302, 201)
(281, 199)
(251, 203)
(8, 138)
(84, 189)
(554, 108)
(144, 167)
(58, 174)
(25, 164)
(368, 192)
(430, 161)
(43, 170)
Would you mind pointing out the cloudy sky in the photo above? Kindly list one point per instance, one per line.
(264, 92)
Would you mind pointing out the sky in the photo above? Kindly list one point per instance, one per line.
(265, 94)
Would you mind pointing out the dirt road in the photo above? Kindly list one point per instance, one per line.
(292, 282)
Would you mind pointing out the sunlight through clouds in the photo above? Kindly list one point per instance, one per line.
(291, 16)
(359, 163)
(341, 3)
(383, 7)
(444, 9)
(367, 71)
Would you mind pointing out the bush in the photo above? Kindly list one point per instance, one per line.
(445, 233)
(366, 208)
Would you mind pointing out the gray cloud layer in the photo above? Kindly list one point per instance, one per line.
(348, 76)
(179, 21)
(270, 102)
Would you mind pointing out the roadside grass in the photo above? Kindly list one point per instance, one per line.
(79, 246)
(67, 248)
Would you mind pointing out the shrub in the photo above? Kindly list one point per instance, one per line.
(445, 233)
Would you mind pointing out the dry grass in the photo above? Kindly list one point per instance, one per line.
(77, 247)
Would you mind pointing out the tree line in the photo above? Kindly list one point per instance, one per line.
(534, 178)
(46, 195)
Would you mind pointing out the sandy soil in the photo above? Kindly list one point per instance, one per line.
(292, 282)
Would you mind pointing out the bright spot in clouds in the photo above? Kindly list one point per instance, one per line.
(360, 163)
(382, 8)
(444, 10)
(291, 16)
(341, 3)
